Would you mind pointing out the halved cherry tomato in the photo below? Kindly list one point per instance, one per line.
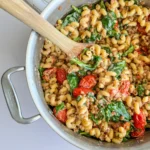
(124, 88)
(80, 90)
(139, 120)
(88, 81)
(61, 115)
(141, 29)
(61, 75)
(138, 133)
(48, 73)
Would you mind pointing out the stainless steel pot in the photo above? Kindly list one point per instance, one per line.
(52, 13)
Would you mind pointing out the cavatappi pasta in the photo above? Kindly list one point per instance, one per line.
(105, 92)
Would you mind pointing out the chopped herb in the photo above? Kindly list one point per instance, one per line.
(73, 80)
(90, 67)
(140, 90)
(94, 119)
(41, 70)
(60, 107)
(130, 50)
(113, 112)
(117, 67)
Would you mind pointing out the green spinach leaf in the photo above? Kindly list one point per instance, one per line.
(94, 119)
(90, 67)
(113, 112)
(108, 21)
(78, 10)
(72, 17)
(60, 107)
(130, 50)
(102, 4)
(113, 33)
(73, 80)
(95, 36)
(140, 90)
(117, 67)
(84, 133)
(41, 70)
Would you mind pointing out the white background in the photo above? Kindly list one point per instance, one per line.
(13, 136)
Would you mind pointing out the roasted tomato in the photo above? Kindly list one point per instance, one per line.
(48, 73)
(138, 133)
(141, 29)
(61, 75)
(139, 120)
(124, 88)
(88, 81)
(139, 124)
(61, 115)
(80, 90)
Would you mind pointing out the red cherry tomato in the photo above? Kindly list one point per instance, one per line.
(80, 90)
(48, 73)
(139, 120)
(88, 81)
(138, 133)
(61, 75)
(141, 29)
(124, 88)
(61, 115)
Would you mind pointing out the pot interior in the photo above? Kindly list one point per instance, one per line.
(56, 10)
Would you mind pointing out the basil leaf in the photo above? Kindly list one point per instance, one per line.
(95, 36)
(113, 112)
(117, 67)
(140, 90)
(95, 120)
(41, 70)
(60, 107)
(90, 67)
(113, 33)
(73, 80)
(130, 50)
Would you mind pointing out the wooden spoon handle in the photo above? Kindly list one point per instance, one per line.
(26, 14)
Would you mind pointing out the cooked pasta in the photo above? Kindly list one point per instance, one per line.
(103, 91)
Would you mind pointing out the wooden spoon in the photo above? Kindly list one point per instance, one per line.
(30, 17)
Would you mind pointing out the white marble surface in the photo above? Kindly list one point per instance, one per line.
(13, 136)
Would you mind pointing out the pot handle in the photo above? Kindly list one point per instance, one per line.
(12, 99)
